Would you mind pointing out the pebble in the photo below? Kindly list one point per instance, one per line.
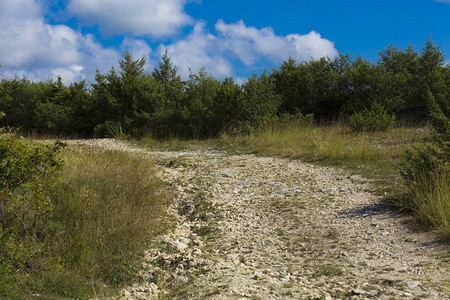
(412, 284)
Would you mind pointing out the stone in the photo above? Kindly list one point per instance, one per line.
(357, 292)
(196, 252)
(412, 284)
(179, 279)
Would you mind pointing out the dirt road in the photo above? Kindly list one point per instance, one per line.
(252, 227)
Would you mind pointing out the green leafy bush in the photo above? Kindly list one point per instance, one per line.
(28, 172)
(375, 118)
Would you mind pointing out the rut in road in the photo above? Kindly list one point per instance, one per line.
(272, 228)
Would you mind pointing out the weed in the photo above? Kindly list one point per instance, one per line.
(327, 270)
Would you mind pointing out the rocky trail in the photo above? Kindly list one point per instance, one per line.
(249, 227)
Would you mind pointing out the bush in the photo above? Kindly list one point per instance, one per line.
(426, 174)
(28, 173)
(375, 118)
(109, 129)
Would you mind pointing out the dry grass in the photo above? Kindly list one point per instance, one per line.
(331, 143)
(107, 210)
(428, 199)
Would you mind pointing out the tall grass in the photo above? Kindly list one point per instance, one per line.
(428, 197)
(109, 208)
(333, 143)
(105, 212)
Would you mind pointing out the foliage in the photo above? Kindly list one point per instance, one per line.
(375, 118)
(128, 102)
(258, 103)
(28, 174)
(426, 174)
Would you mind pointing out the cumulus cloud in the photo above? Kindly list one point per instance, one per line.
(249, 44)
(154, 18)
(138, 48)
(200, 48)
(242, 43)
(30, 46)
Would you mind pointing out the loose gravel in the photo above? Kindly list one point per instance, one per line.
(249, 227)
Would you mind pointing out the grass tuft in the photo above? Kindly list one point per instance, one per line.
(427, 197)
(106, 213)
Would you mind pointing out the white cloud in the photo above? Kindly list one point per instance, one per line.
(445, 1)
(246, 44)
(30, 46)
(138, 48)
(249, 44)
(311, 45)
(23, 9)
(154, 18)
(198, 49)
(38, 50)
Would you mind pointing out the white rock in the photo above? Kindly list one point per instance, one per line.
(412, 284)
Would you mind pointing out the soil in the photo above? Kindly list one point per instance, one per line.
(249, 227)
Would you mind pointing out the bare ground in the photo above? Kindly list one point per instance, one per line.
(250, 227)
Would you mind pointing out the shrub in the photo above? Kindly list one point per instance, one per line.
(375, 118)
(109, 129)
(28, 172)
(426, 174)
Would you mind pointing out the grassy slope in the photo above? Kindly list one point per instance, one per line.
(107, 208)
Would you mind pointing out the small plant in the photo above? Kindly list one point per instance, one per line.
(375, 118)
(328, 271)
(109, 129)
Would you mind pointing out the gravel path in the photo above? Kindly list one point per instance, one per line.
(252, 227)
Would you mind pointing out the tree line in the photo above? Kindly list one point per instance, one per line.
(130, 101)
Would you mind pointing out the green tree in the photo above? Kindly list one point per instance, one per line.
(228, 105)
(201, 91)
(398, 89)
(131, 75)
(260, 102)
(106, 106)
(168, 116)
(364, 80)
(435, 78)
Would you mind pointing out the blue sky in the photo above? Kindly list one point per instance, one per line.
(72, 38)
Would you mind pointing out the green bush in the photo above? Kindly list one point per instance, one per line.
(426, 174)
(375, 118)
(28, 173)
(109, 129)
